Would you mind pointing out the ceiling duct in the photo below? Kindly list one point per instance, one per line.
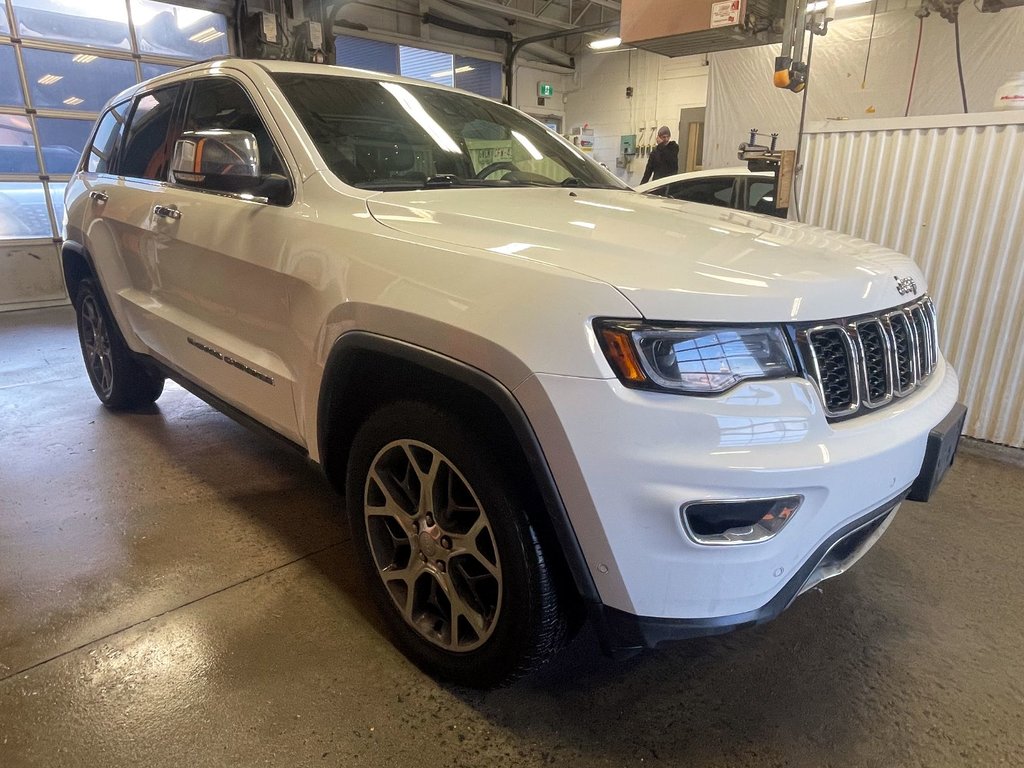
(688, 27)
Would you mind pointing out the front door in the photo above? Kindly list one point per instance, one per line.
(219, 286)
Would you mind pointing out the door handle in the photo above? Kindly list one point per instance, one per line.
(99, 197)
(167, 213)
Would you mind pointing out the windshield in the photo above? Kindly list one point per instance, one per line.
(392, 136)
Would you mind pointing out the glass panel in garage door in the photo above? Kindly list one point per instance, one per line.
(56, 189)
(81, 82)
(432, 66)
(171, 30)
(374, 55)
(96, 23)
(478, 76)
(23, 211)
(152, 70)
(17, 147)
(4, 26)
(10, 85)
(62, 141)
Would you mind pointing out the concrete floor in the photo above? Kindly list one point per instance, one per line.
(175, 591)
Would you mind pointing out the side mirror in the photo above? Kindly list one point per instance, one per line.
(217, 159)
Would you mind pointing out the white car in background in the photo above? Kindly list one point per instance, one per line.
(735, 187)
(545, 396)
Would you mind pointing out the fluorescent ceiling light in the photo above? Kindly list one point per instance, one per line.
(608, 42)
(49, 79)
(73, 101)
(448, 72)
(84, 58)
(822, 5)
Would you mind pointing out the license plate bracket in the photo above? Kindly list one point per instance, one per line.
(938, 456)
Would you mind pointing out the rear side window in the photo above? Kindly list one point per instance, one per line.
(147, 151)
(716, 190)
(761, 198)
(103, 151)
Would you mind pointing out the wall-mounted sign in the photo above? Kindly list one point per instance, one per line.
(545, 90)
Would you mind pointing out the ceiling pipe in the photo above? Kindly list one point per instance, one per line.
(447, 11)
(513, 50)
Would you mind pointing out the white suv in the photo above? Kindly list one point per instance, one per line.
(547, 398)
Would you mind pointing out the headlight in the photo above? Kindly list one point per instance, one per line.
(692, 359)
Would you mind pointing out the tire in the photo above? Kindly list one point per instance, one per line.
(449, 555)
(120, 381)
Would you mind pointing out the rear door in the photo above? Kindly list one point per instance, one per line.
(123, 176)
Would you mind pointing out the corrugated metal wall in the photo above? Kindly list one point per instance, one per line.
(949, 192)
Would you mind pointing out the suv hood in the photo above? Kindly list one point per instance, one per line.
(673, 260)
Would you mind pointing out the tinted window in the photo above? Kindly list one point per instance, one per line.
(761, 197)
(147, 150)
(107, 140)
(223, 103)
(713, 191)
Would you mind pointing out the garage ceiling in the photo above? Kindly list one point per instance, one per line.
(520, 18)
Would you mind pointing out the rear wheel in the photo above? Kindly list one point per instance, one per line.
(452, 560)
(119, 380)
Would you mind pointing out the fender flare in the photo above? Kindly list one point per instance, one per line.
(338, 375)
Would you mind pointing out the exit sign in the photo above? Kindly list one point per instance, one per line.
(545, 90)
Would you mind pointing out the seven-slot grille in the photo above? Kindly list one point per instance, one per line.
(865, 362)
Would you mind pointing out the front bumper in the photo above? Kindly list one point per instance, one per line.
(623, 633)
(626, 461)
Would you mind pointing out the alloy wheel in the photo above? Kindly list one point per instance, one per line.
(433, 546)
(96, 346)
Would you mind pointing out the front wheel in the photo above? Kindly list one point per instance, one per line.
(452, 560)
(119, 381)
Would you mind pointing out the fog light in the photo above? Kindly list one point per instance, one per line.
(737, 521)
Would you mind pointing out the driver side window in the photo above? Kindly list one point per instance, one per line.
(219, 102)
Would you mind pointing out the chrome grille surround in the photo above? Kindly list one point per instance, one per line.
(863, 363)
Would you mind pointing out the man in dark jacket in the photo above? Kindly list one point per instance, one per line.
(664, 158)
